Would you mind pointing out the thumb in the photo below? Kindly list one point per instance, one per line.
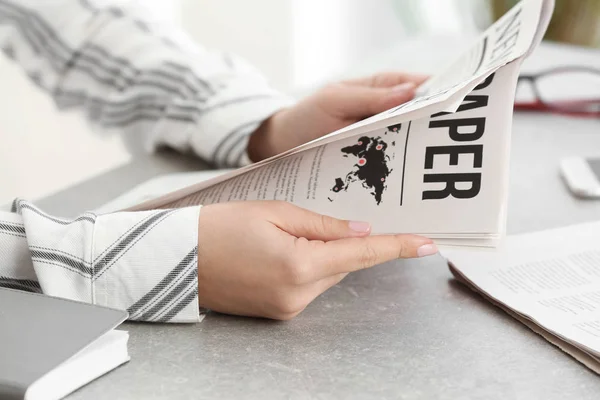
(357, 102)
(303, 223)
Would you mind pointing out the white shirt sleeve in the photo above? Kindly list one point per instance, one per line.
(143, 262)
(132, 73)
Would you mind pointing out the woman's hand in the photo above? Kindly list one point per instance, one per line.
(271, 259)
(332, 108)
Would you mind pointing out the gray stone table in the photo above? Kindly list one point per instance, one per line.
(401, 330)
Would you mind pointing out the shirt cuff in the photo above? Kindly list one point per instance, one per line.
(230, 126)
(147, 263)
(144, 262)
(221, 130)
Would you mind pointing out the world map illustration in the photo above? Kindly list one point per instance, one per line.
(371, 168)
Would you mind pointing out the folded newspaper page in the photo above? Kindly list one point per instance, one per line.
(435, 166)
(550, 284)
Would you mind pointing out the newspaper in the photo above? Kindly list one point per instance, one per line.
(550, 284)
(435, 166)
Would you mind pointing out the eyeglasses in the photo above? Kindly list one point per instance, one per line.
(573, 91)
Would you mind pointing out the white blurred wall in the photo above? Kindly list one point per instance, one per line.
(296, 43)
(257, 30)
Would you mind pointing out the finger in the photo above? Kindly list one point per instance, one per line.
(300, 222)
(347, 255)
(362, 101)
(388, 80)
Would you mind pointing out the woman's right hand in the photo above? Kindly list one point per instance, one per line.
(271, 259)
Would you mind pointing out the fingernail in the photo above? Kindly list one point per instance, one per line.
(360, 227)
(403, 87)
(427, 250)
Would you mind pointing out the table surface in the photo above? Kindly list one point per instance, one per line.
(404, 329)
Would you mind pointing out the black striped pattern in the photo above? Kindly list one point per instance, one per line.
(97, 62)
(176, 309)
(110, 257)
(63, 260)
(170, 286)
(173, 294)
(26, 285)
(20, 205)
(12, 229)
(230, 141)
(103, 67)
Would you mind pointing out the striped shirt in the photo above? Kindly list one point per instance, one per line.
(130, 72)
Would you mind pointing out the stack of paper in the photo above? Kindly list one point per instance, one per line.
(548, 280)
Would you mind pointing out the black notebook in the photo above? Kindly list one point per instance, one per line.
(50, 347)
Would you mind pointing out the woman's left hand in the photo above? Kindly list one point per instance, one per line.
(331, 108)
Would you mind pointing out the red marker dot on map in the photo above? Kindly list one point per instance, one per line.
(362, 161)
(359, 143)
(379, 147)
(382, 179)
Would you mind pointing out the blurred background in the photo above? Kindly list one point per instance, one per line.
(298, 44)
